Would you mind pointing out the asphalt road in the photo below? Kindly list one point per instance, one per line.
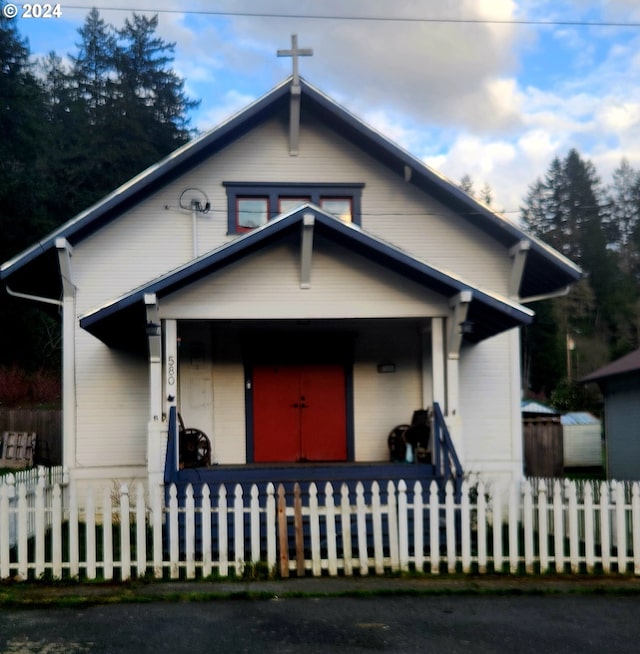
(451, 624)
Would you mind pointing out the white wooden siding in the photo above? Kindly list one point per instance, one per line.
(113, 406)
(156, 235)
(485, 392)
(383, 401)
(267, 285)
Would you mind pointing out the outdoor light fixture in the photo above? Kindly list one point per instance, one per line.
(386, 367)
(153, 329)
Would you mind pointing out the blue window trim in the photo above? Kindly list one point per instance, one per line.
(275, 190)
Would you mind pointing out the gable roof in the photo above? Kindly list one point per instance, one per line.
(627, 364)
(121, 322)
(35, 270)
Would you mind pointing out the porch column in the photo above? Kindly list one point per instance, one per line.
(68, 354)
(459, 307)
(437, 362)
(155, 426)
(426, 358)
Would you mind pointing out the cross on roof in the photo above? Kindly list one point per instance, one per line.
(294, 53)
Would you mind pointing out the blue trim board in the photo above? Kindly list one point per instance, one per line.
(119, 320)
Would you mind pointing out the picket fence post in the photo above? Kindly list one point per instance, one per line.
(271, 527)
(223, 534)
(589, 533)
(450, 523)
(465, 528)
(527, 518)
(314, 531)
(205, 524)
(361, 518)
(345, 524)
(392, 527)
(39, 523)
(174, 536)
(574, 544)
(434, 528)
(558, 527)
(141, 532)
(5, 567)
(238, 530)
(330, 525)
(403, 528)
(90, 534)
(605, 533)
(418, 527)
(543, 528)
(190, 532)
(378, 560)
(496, 511)
(255, 524)
(481, 517)
(621, 526)
(513, 528)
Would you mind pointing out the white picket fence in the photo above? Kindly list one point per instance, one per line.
(536, 527)
(26, 482)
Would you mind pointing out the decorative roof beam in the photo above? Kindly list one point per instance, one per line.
(306, 250)
(519, 254)
(460, 305)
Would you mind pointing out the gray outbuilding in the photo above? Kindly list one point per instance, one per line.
(619, 382)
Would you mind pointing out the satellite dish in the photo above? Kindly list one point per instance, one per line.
(193, 199)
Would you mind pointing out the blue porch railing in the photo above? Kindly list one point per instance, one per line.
(445, 465)
(445, 459)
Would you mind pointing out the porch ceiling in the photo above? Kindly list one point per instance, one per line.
(121, 323)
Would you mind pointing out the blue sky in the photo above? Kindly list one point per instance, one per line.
(496, 93)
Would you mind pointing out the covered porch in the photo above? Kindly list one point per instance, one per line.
(362, 332)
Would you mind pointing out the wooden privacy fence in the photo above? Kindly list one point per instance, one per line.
(121, 533)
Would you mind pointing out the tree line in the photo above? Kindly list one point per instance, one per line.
(72, 132)
(73, 129)
(597, 226)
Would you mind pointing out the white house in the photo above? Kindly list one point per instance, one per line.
(296, 285)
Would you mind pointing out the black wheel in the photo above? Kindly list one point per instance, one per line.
(195, 448)
(397, 443)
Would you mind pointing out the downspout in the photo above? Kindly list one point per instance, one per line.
(65, 252)
(68, 306)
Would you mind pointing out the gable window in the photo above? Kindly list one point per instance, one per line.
(253, 204)
(339, 207)
(251, 212)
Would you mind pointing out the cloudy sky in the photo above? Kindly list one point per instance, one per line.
(490, 88)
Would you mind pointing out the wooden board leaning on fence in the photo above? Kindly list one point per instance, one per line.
(16, 449)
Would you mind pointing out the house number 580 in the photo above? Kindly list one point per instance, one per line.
(171, 370)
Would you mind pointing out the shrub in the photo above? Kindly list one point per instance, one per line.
(19, 387)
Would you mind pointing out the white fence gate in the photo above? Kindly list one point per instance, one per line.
(537, 527)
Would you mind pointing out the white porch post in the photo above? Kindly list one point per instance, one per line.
(68, 354)
(426, 357)
(155, 426)
(459, 306)
(437, 362)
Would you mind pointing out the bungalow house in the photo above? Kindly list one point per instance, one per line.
(619, 383)
(294, 285)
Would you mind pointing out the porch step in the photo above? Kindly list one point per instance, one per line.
(257, 477)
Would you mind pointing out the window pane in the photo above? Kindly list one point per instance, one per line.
(339, 207)
(289, 204)
(252, 212)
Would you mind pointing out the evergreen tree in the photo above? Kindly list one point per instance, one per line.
(624, 210)
(567, 210)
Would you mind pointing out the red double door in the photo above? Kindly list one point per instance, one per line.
(299, 413)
